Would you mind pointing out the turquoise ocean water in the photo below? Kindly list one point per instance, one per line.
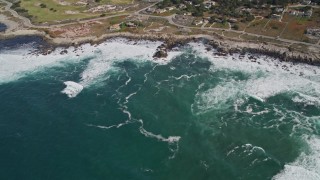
(111, 111)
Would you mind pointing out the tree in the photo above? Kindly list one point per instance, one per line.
(43, 5)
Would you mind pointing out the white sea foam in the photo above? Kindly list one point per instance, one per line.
(18, 63)
(72, 89)
(170, 139)
(217, 97)
(306, 166)
(173, 141)
(267, 77)
(262, 63)
(106, 54)
(116, 50)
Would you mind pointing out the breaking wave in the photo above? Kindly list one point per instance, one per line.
(306, 166)
(106, 54)
(16, 64)
(266, 77)
(72, 89)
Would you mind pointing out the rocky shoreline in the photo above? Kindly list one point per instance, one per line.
(223, 45)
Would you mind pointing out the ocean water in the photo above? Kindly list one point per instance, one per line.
(111, 111)
(3, 27)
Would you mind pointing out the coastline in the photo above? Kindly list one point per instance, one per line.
(222, 44)
(276, 78)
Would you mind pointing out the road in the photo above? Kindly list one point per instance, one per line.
(28, 23)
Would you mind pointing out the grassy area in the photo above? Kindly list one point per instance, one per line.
(158, 20)
(221, 25)
(297, 26)
(48, 10)
(256, 26)
(295, 31)
(273, 28)
(41, 11)
(208, 25)
(248, 37)
(167, 13)
(241, 26)
(299, 47)
(2, 4)
(231, 34)
(272, 41)
(117, 20)
(89, 28)
(219, 32)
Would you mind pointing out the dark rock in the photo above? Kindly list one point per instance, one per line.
(160, 54)
(64, 52)
(161, 51)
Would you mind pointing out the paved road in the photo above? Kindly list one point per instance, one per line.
(28, 23)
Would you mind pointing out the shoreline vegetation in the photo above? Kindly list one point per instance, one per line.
(282, 49)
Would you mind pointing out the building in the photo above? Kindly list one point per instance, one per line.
(279, 10)
(308, 13)
(275, 16)
(170, 8)
(131, 24)
(150, 10)
(306, 2)
(206, 20)
(198, 22)
(182, 6)
(293, 13)
(115, 27)
(301, 13)
(313, 32)
(209, 4)
(232, 20)
(159, 11)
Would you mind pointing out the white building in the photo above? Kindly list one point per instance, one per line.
(170, 8)
(198, 22)
(209, 4)
(159, 11)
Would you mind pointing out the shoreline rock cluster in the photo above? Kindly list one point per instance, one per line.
(161, 52)
(279, 52)
(222, 45)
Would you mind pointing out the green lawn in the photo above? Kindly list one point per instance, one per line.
(52, 11)
(257, 26)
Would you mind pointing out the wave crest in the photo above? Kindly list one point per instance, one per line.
(72, 89)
